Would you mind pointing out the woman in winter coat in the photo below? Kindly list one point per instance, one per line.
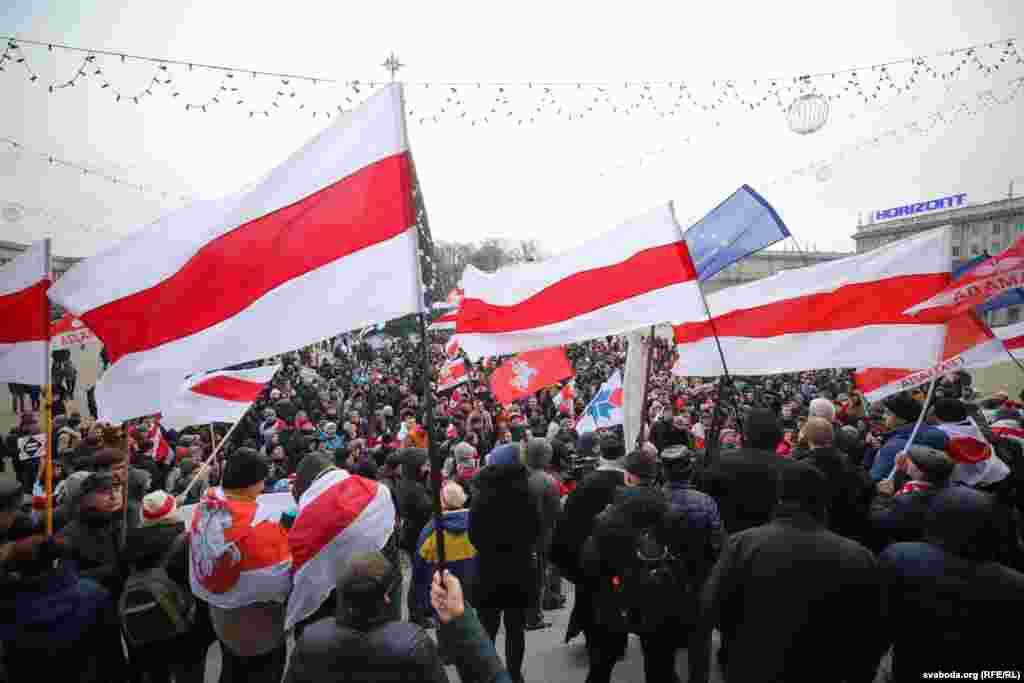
(505, 528)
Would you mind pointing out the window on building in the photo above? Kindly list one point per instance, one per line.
(956, 252)
(975, 250)
(1013, 315)
(997, 228)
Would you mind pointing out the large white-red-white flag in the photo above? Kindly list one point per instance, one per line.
(339, 515)
(843, 313)
(327, 241)
(217, 397)
(1012, 336)
(637, 274)
(25, 316)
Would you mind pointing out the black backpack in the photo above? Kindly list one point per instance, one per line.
(153, 607)
(651, 590)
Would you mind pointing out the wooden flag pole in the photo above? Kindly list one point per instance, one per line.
(647, 384)
(49, 401)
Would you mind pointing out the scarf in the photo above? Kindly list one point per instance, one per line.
(914, 487)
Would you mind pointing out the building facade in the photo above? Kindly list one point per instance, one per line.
(61, 264)
(980, 229)
(765, 264)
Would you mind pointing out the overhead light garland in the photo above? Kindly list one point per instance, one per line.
(261, 93)
(93, 171)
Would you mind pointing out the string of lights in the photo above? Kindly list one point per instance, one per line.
(263, 93)
(20, 148)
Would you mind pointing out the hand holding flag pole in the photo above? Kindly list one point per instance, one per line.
(209, 461)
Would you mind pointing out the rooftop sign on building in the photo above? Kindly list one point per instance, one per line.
(952, 201)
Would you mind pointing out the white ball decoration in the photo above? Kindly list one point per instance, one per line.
(808, 113)
(12, 213)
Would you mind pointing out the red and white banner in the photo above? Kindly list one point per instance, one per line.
(528, 373)
(565, 399)
(325, 242)
(452, 374)
(160, 452)
(70, 331)
(843, 313)
(339, 515)
(25, 316)
(239, 554)
(217, 397)
(444, 320)
(637, 274)
(969, 345)
(451, 349)
(987, 280)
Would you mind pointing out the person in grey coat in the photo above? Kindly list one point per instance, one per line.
(544, 489)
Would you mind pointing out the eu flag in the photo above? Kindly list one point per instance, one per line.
(741, 225)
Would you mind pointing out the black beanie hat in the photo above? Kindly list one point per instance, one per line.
(950, 410)
(903, 407)
(244, 468)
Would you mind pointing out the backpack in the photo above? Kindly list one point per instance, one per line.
(650, 591)
(153, 608)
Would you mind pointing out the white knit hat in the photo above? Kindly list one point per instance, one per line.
(159, 507)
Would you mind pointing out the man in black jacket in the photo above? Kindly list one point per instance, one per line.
(575, 525)
(790, 597)
(743, 483)
(414, 509)
(363, 641)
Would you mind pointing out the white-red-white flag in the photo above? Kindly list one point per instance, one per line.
(637, 274)
(217, 397)
(976, 462)
(565, 398)
(326, 241)
(339, 515)
(968, 345)
(1012, 336)
(452, 374)
(160, 451)
(25, 316)
(444, 319)
(843, 313)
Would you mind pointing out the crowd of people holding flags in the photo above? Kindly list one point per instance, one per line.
(749, 474)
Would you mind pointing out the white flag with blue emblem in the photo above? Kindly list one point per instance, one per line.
(605, 409)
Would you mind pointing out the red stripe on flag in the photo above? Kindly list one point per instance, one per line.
(881, 302)
(1014, 343)
(327, 516)
(25, 314)
(229, 389)
(583, 292)
(231, 272)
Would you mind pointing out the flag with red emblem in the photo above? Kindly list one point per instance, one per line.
(605, 409)
(452, 375)
(529, 372)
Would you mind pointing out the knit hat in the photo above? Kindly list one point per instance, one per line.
(330, 429)
(157, 507)
(802, 483)
(934, 464)
(950, 410)
(642, 464)
(903, 407)
(244, 468)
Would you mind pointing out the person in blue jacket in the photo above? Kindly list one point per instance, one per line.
(901, 413)
(460, 555)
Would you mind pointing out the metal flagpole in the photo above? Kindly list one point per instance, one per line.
(917, 425)
(49, 398)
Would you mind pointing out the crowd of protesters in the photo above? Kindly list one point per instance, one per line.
(785, 512)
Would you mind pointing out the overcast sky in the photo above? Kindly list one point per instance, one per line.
(555, 181)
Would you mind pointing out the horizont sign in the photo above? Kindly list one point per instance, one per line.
(953, 200)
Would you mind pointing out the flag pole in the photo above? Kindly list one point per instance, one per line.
(647, 384)
(209, 461)
(917, 425)
(49, 398)
(420, 253)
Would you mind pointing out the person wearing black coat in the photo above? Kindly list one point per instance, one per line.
(946, 595)
(161, 540)
(743, 482)
(790, 597)
(506, 527)
(363, 641)
(414, 509)
(898, 516)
